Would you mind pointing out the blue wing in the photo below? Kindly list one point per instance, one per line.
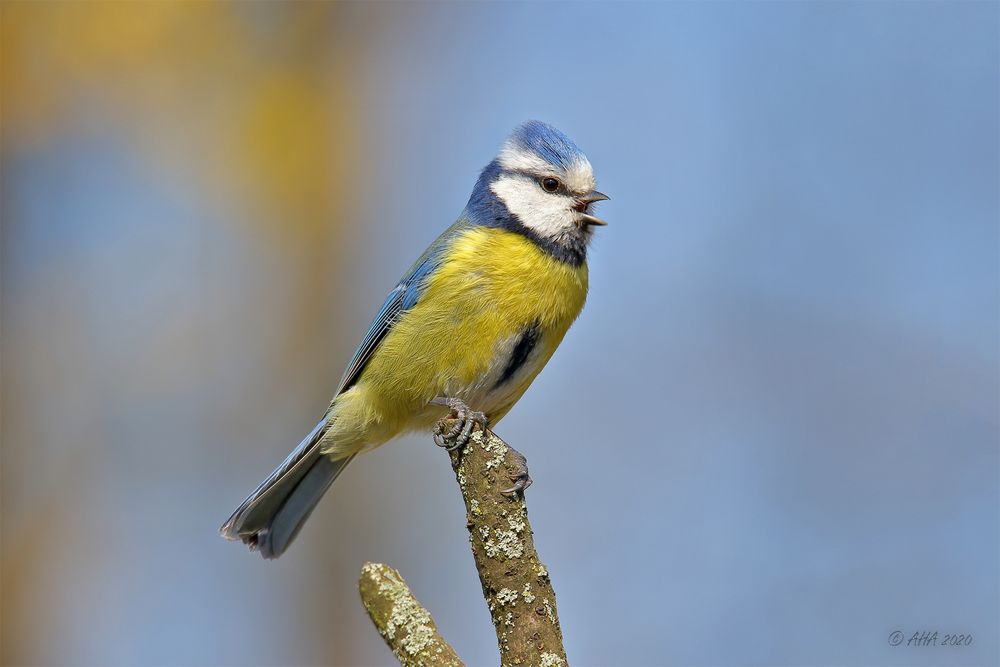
(403, 297)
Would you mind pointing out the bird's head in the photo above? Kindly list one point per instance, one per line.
(546, 186)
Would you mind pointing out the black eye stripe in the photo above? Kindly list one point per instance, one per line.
(560, 187)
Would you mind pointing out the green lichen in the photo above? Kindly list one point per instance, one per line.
(506, 545)
(506, 597)
(406, 617)
(551, 660)
(528, 596)
(497, 448)
(549, 611)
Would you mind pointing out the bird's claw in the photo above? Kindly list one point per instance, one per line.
(521, 482)
(520, 477)
(465, 418)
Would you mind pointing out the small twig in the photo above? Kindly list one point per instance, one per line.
(404, 624)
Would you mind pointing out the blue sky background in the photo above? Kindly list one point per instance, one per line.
(771, 438)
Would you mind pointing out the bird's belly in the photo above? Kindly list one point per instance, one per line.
(486, 324)
(487, 368)
(517, 359)
(394, 396)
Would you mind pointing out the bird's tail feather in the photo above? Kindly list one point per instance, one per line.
(271, 516)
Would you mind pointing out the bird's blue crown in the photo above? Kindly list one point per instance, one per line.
(547, 143)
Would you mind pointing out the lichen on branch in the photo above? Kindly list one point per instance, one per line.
(405, 625)
(516, 584)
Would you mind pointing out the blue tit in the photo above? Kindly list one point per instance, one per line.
(467, 329)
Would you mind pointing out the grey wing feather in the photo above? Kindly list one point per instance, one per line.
(289, 472)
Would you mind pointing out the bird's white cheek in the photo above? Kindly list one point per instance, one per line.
(547, 214)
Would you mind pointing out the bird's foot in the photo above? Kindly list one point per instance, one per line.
(520, 477)
(465, 419)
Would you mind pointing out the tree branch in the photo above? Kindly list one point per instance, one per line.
(404, 624)
(515, 583)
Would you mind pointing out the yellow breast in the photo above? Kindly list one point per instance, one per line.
(491, 286)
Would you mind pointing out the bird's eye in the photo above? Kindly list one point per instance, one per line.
(550, 184)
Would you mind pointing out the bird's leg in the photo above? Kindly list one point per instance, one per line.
(520, 478)
(461, 430)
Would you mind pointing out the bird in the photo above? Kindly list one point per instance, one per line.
(461, 336)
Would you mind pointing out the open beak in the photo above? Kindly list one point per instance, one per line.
(584, 202)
